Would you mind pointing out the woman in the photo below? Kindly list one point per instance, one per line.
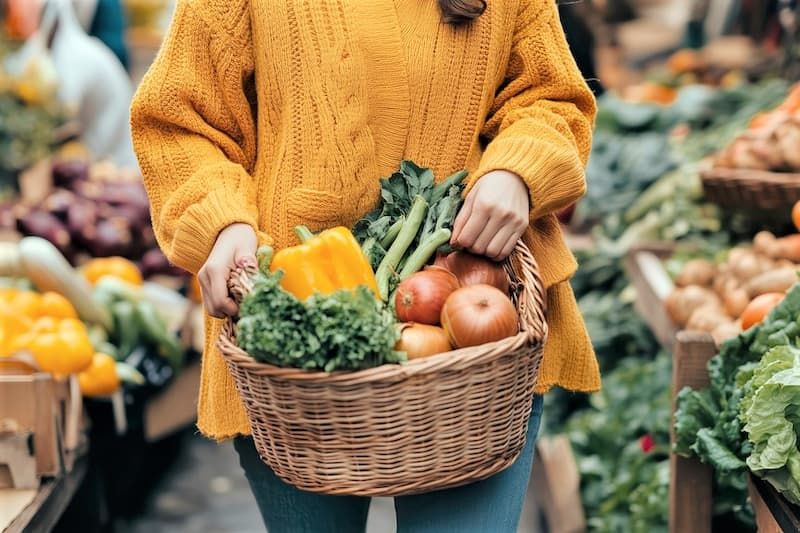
(259, 115)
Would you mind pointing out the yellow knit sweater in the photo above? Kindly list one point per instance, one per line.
(280, 112)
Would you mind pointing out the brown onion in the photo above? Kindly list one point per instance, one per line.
(477, 315)
(420, 298)
(473, 269)
(422, 340)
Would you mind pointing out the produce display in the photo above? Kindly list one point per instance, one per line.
(745, 418)
(103, 323)
(320, 306)
(621, 443)
(91, 210)
(666, 204)
(726, 298)
(771, 141)
(30, 116)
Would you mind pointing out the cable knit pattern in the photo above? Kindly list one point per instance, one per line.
(279, 112)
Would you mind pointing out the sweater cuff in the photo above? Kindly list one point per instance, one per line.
(199, 226)
(554, 174)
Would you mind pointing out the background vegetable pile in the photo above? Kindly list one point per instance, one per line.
(660, 200)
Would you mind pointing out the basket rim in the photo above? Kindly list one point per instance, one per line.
(750, 175)
(386, 371)
(530, 302)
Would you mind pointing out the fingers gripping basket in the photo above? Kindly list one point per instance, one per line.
(425, 425)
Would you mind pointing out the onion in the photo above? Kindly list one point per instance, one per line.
(422, 340)
(477, 315)
(473, 269)
(420, 298)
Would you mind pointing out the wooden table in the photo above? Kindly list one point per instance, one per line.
(51, 500)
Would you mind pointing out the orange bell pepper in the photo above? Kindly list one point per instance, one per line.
(101, 378)
(118, 267)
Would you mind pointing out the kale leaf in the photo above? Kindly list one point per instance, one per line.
(346, 330)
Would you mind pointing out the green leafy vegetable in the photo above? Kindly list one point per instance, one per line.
(771, 412)
(412, 222)
(346, 330)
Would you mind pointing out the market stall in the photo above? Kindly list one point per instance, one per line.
(692, 198)
(102, 332)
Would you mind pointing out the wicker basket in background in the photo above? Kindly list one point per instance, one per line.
(425, 425)
(751, 189)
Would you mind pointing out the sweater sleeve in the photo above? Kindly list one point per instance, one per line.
(540, 124)
(193, 130)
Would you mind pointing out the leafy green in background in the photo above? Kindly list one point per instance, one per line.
(622, 442)
(708, 424)
(635, 196)
(770, 411)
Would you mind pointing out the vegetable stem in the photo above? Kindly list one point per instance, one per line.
(424, 252)
(392, 232)
(367, 245)
(303, 233)
(404, 239)
(440, 190)
(264, 255)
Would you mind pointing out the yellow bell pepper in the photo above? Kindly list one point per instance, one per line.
(27, 303)
(101, 378)
(323, 263)
(61, 347)
(54, 305)
(12, 326)
(118, 267)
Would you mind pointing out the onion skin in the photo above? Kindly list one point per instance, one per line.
(420, 298)
(479, 314)
(473, 269)
(422, 340)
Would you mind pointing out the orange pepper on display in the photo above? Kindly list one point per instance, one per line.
(54, 305)
(61, 347)
(26, 303)
(101, 378)
(117, 267)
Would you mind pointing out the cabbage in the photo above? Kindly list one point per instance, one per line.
(770, 412)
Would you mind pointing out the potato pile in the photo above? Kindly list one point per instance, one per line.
(770, 142)
(721, 299)
(773, 147)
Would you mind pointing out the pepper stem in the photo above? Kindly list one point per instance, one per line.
(303, 233)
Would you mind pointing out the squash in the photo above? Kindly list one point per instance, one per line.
(48, 270)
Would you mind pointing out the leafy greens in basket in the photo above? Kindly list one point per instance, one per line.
(345, 330)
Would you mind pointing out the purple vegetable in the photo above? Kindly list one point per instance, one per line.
(59, 202)
(69, 171)
(40, 223)
(108, 237)
(81, 215)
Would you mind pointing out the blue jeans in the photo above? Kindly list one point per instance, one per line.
(494, 504)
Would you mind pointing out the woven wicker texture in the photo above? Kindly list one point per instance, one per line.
(751, 189)
(425, 425)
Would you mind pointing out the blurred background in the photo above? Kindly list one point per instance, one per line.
(678, 81)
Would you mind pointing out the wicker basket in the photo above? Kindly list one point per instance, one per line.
(429, 424)
(751, 189)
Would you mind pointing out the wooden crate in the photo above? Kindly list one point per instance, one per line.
(556, 482)
(50, 410)
(644, 267)
(691, 498)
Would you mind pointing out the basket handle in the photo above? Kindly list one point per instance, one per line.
(530, 292)
(531, 298)
(240, 283)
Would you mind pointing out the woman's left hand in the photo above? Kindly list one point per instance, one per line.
(494, 216)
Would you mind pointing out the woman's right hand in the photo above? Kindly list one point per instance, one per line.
(235, 247)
